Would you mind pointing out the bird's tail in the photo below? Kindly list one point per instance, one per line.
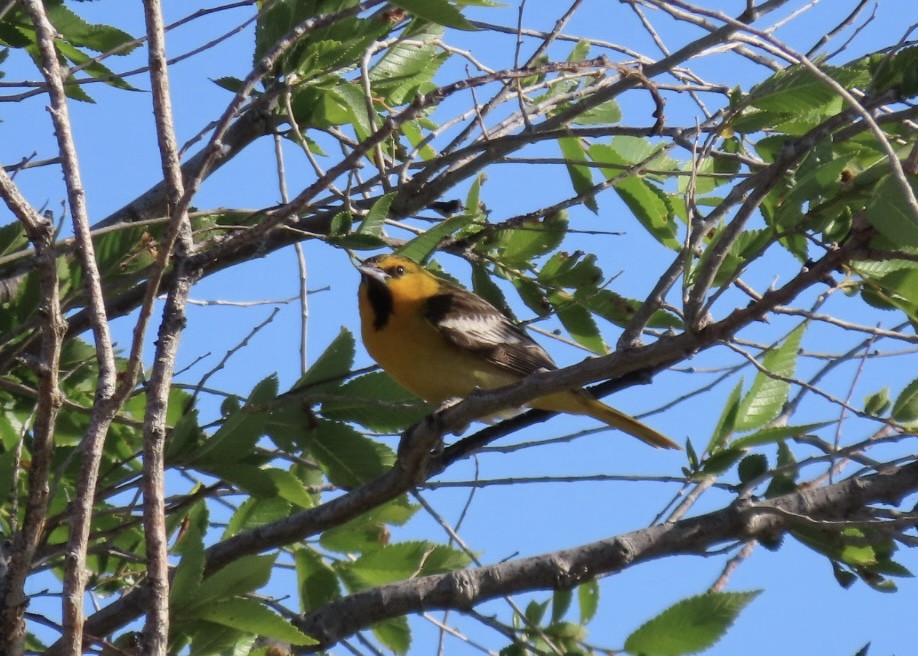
(581, 402)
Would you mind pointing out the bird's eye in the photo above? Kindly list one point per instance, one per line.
(398, 271)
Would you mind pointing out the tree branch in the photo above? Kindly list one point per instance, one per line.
(564, 569)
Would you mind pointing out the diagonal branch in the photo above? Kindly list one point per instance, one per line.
(564, 569)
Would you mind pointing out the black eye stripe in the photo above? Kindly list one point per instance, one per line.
(396, 271)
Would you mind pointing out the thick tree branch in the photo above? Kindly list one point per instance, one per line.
(103, 409)
(176, 247)
(18, 560)
(564, 569)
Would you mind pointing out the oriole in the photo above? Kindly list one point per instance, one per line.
(441, 342)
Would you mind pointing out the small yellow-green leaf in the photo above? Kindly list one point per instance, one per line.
(905, 409)
(251, 616)
(690, 626)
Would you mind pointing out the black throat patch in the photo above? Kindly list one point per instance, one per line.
(380, 300)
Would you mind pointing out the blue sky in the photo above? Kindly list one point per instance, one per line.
(803, 610)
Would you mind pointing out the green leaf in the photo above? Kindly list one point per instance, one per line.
(484, 286)
(796, 90)
(776, 434)
(236, 438)
(255, 512)
(330, 368)
(239, 577)
(560, 604)
(588, 600)
(369, 531)
(619, 310)
(651, 206)
(400, 562)
(573, 151)
(767, 395)
(440, 12)
(751, 467)
(720, 461)
(375, 220)
(419, 248)
(375, 401)
(690, 626)
(190, 571)
(347, 457)
(394, 633)
(290, 487)
(408, 68)
(786, 482)
(727, 421)
(317, 582)
(863, 650)
(889, 213)
(877, 403)
(905, 409)
(606, 113)
(519, 244)
(578, 322)
(571, 270)
(98, 37)
(250, 615)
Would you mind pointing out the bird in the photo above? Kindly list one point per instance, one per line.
(443, 342)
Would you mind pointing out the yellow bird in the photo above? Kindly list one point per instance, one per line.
(442, 342)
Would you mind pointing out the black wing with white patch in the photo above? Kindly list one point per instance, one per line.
(473, 324)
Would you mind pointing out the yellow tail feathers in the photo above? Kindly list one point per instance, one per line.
(580, 402)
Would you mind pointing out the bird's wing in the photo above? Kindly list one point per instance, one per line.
(472, 324)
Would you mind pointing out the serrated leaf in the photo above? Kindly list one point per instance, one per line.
(578, 322)
(375, 220)
(767, 394)
(239, 433)
(786, 482)
(560, 604)
(574, 151)
(347, 457)
(290, 487)
(588, 600)
(368, 531)
(98, 37)
(689, 626)
(440, 12)
(776, 434)
(484, 286)
(521, 243)
(571, 270)
(400, 562)
(394, 633)
(889, 213)
(419, 248)
(332, 366)
(905, 409)
(720, 461)
(255, 512)
(727, 421)
(377, 402)
(250, 615)
(877, 403)
(619, 310)
(239, 577)
(751, 467)
(606, 113)
(317, 582)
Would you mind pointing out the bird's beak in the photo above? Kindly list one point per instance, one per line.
(372, 272)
